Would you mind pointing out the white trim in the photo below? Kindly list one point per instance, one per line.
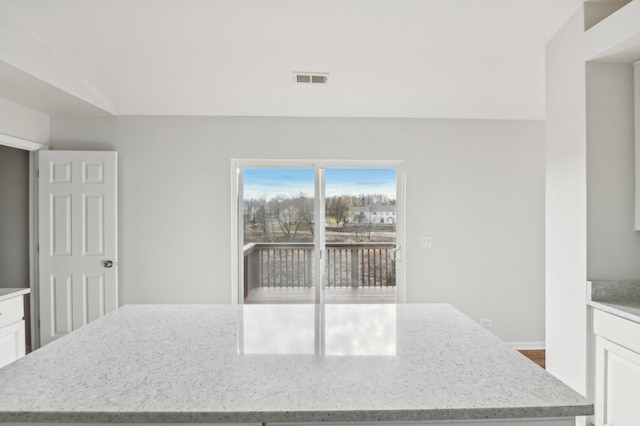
(20, 143)
(527, 346)
(321, 163)
(319, 232)
(401, 223)
(239, 204)
(636, 126)
(235, 233)
(33, 148)
(591, 356)
(34, 264)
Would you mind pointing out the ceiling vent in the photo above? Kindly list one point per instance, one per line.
(310, 77)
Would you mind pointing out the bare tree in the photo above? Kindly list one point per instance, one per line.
(305, 213)
(339, 208)
(364, 200)
(263, 220)
(288, 222)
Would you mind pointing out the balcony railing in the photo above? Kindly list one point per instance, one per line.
(345, 265)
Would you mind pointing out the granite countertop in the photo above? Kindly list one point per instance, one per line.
(621, 298)
(8, 293)
(280, 363)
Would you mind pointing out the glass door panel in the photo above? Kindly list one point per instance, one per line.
(278, 235)
(319, 235)
(360, 235)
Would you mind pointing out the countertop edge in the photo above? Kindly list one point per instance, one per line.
(615, 309)
(15, 293)
(302, 416)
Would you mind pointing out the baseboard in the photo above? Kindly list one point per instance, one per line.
(527, 346)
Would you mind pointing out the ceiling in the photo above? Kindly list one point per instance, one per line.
(385, 58)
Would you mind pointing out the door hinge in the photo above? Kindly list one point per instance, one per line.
(38, 173)
(38, 248)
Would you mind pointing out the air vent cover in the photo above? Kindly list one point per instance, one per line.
(310, 77)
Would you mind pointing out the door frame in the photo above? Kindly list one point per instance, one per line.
(237, 270)
(33, 148)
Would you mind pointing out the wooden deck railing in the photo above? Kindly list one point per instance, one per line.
(291, 265)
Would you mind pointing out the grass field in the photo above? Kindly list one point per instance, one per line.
(379, 232)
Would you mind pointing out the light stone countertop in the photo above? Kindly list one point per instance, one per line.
(621, 298)
(280, 363)
(9, 293)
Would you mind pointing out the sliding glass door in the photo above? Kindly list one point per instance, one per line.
(360, 235)
(317, 233)
(278, 223)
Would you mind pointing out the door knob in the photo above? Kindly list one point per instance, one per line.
(108, 264)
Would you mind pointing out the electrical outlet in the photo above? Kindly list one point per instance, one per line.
(486, 322)
(425, 241)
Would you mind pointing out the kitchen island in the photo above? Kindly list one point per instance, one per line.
(428, 364)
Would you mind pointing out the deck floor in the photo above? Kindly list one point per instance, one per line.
(332, 295)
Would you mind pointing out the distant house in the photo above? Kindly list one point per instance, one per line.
(373, 214)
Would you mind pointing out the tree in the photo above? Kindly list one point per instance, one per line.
(363, 200)
(339, 207)
(263, 220)
(288, 222)
(305, 213)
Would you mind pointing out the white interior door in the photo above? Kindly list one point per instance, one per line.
(77, 225)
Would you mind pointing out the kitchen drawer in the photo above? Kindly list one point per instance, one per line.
(618, 330)
(11, 310)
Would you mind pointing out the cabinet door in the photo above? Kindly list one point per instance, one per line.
(617, 384)
(11, 343)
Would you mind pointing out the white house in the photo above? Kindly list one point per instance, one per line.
(373, 214)
(513, 121)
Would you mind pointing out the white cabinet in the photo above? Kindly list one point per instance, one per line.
(617, 375)
(12, 343)
(12, 330)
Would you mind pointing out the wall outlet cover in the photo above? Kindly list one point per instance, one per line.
(426, 241)
(486, 322)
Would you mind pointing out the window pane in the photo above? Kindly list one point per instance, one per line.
(278, 220)
(360, 227)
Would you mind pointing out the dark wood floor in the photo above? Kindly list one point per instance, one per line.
(536, 356)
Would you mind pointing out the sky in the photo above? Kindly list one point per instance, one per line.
(291, 182)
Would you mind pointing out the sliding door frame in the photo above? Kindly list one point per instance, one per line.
(319, 166)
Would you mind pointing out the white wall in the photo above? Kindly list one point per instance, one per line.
(566, 206)
(24, 123)
(613, 243)
(476, 186)
(14, 217)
